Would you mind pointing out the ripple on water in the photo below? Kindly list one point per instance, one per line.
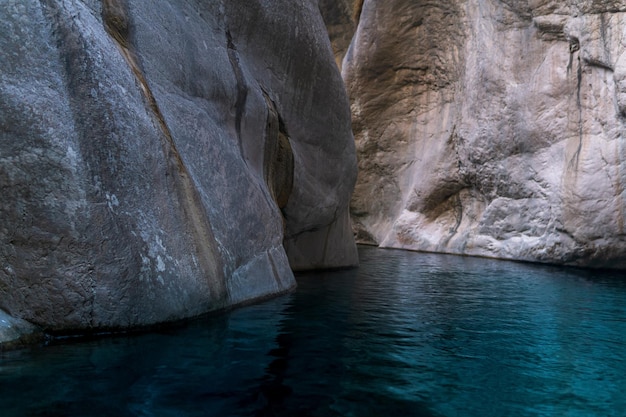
(406, 334)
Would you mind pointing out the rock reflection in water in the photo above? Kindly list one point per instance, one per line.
(406, 334)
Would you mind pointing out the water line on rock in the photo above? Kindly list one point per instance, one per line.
(278, 159)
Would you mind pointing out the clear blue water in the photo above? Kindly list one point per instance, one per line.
(407, 334)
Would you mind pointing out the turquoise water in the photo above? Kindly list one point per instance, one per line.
(407, 334)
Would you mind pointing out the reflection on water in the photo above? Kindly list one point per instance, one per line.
(406, 334)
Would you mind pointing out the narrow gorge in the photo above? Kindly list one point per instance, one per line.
(162, 160)
(280, 208)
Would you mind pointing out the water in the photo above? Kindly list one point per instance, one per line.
(407, 334)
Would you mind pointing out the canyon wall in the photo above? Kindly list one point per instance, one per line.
(491, 128)
(163, 159)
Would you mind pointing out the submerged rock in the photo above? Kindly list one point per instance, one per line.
(155, 155)
(14, 332)
(491, 128)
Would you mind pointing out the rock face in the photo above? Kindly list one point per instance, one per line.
(341, 18)
(491, 128)
(16, 331)
(155, 157)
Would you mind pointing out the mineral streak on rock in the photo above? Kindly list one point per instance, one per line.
(277, 156)
(116, 23)
(341, 18)
(491, 128)
(156, 158)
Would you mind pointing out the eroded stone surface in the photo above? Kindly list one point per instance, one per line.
(492, 128)
(153, 156)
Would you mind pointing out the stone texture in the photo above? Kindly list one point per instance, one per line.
(15, 332)
(155, 155)
(491, 128)
(341, 18)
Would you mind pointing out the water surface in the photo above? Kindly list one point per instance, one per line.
(406, 334)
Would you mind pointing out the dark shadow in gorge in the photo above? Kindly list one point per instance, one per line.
(313, 375)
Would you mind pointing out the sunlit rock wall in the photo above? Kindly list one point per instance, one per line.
(491, 128)
(155, 156)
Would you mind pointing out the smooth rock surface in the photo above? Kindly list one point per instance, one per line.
(491, 128)
(155, 155)
(14, 332)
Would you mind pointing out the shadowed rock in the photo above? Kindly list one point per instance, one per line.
(155, 155)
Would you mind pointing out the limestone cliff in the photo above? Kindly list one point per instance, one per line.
(157, 157)
(491, 128)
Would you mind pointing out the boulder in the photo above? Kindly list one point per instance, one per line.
(155, 156)
(16, 332)
(491, 128)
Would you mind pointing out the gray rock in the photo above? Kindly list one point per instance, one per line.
(15, 332)
(491, 128)
(155, 155)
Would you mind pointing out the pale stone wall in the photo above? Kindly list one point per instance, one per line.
(491, 128)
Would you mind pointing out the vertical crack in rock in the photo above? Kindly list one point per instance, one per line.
(242, 87)
(117, 24)
(328, 237)
(358, 9)
(278, 161)
(574, 47)
(579, 78)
